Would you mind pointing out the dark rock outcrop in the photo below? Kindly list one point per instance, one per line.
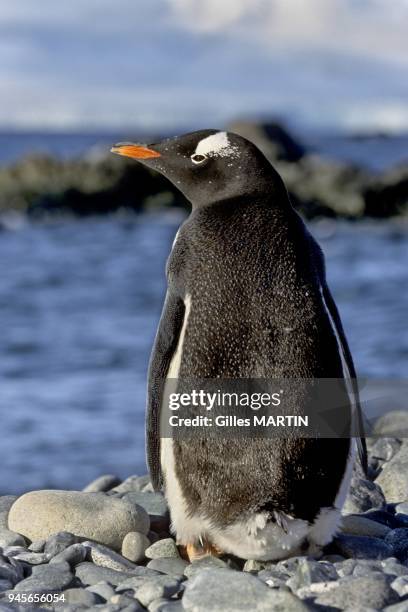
(318, 187)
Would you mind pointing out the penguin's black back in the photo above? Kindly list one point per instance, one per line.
(253, 273)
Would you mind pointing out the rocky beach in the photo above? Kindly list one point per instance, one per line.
(108, 548)
(42, 186)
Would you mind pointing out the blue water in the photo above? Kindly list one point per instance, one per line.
(79, 304)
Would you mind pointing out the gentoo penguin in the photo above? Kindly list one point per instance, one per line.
(247, 298)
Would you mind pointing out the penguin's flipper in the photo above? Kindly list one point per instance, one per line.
(351, 375)
(164, 347)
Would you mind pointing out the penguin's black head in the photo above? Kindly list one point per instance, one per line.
(209, 166)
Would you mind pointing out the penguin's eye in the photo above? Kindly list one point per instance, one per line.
(198, 159)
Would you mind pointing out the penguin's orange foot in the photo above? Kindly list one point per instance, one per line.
(194, 552)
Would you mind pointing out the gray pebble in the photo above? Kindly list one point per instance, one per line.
(82, 597)
(6, 501)
(134, 583)
(134, 546)
(205, 563)
(74, 554)
(225, 591)
(402, 520)
(385, 448)
(37, 546)
(402, 508)
(5, 585)
(363, 495)
(46, 579)
(310, 571)
(103, 483)
(105, 557)
(171, 566)
(360, 525)
(11, 538)
(133, 607)
(165, 605)
(272, 579)
(398, 607)
(122, 600)
(366, 570)
(353, 593)
(160, 586)
(5, 607)
(400, 585)
(360, 609)
(89, 573)
(394, 568)
(394, 476)
(103, 589)
(32, 558)
(382, 516)
(11, 570)
(289, 566)
(131, 484)
(59, 542)
(345, 568)
(153, 503)
(392, 424)
(163, 548)
(363, 547)
(398, 540)
(12, 551)
(256, 566)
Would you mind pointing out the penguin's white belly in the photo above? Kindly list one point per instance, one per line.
(255, 537)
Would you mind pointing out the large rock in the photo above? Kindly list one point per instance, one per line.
(394, 476)
(272, 138)
(225, 591)
(95, 516)
(388, 194)
(44, 186)
(323, 187)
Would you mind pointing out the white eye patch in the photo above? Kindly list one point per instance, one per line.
(216, 144)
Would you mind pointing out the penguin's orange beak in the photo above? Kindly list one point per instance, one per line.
(135, 151)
